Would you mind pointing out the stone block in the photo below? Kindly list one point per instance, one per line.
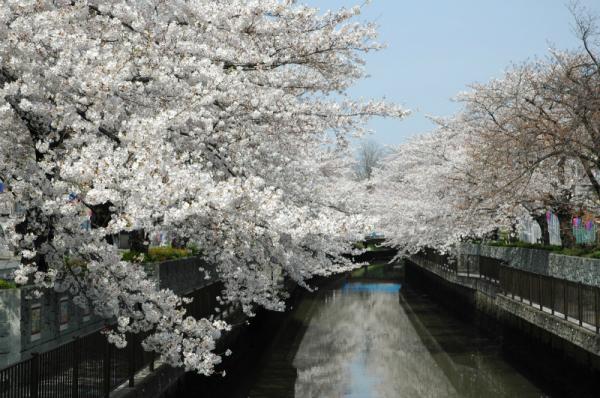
(183, 276)
(5, 347)
(5, 329)
(574, 269)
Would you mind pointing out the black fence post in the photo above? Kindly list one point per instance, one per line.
(596, 320)
(131, 359)
(468, 259)
(512, 283)
(481, 269)
(500, 279)
(579, 306)
(565, 299)
(34, 376)
(530, 280)
(540, 292)
(486, 270)
(76, 359)
(106, 370)
(552, 295)
(521, 282)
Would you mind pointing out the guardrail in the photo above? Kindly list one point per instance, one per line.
(573, 301)
(88, 367)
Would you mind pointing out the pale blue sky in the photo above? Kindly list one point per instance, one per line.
(437, 47)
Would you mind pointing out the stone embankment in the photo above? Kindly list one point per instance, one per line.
(554, 297)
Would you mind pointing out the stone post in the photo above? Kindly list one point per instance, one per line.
(10, 326)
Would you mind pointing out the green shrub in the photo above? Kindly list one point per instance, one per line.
(359, 245)
(525, 245)
(158, 254)
(194, 249)
(130, 256)
(4, 284)
(376, 271)
(73, 262)
(595, 254)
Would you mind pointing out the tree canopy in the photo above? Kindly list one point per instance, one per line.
(207, 119)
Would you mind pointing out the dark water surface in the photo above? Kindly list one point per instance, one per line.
(376, 339)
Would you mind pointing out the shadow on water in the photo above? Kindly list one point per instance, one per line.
(361, 338)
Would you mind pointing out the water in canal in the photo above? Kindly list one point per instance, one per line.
(361, 339)
(372, 339)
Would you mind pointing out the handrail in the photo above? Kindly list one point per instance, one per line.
(575, 302)
(89, 366)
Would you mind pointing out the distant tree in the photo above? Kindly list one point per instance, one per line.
(420, 196)
(368, 157)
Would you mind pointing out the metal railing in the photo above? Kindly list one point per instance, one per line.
(441, 261)
(489, 269)
(573, 301)
(88, 367)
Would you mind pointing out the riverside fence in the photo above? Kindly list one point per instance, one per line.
(88, 367)
(573, 301)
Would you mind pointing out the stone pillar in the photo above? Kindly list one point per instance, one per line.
(10, 326)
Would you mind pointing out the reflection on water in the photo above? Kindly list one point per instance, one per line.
(361, 344)
(367, 340)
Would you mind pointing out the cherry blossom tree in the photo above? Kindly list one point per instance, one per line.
(206, 119)
(523, 144)
(421, 196)
(535, 131)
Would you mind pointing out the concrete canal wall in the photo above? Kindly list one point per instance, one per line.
(32, 328)
(473, 296)
(29, 324)
(574, 269)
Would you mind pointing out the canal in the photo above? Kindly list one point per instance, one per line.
(363, 338)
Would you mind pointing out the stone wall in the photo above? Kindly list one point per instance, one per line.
(16, 306)
(486, 297)
(10, 325)
(8, 264)
(17, 341)
(574, 269)
(483, 303)
(184, 275)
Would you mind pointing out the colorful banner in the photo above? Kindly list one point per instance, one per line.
(584, 231)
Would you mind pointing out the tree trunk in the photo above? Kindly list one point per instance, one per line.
(45, 234)
(543, 223)
(138, 242)
(495, 234)
(513, 236)
(101, 216)
(179, 243)
(565, 220)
